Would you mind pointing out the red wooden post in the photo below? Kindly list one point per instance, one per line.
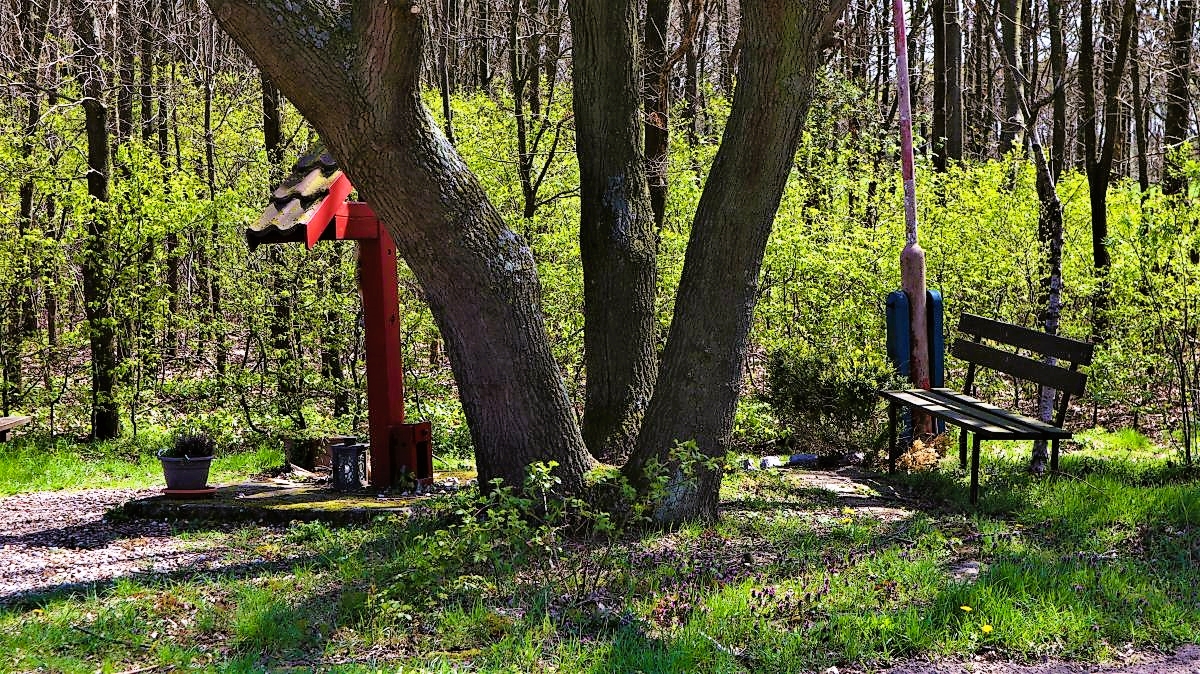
(378, 282)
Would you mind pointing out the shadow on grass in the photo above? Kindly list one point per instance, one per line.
(1074, 566)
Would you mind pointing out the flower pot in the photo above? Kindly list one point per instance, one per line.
(186, 473)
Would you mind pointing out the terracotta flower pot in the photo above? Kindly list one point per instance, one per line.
(186, 472)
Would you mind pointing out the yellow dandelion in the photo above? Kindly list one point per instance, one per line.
(845, 520)
(965, 608)
(987, 629)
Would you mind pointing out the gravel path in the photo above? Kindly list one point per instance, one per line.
(60, 539)
(1184, 661)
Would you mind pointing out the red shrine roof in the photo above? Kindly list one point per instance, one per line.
(295, 202)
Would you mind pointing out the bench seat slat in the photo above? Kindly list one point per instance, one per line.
(980, 407)
(984, 419)
(9, 423)
(943, 412)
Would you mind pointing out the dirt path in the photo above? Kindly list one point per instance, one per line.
(1185, 661)
(60, 540)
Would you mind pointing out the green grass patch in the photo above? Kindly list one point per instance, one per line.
(791, 579)
(40, 464)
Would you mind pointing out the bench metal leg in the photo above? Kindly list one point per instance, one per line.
(1054, 455)
(975, 469)
(891, 437)
(962, 448)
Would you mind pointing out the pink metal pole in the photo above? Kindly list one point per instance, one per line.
(912, 258)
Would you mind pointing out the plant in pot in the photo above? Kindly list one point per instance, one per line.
(186, 462)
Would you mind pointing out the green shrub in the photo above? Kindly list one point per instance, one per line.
(830, 405)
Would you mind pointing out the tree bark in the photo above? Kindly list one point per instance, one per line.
(124, 42)
(479, 277)
(954, 103)
(618, 242)
(700, 377)
(147, 60)
(657, 106)
(96, 269)
(1010, 34)
(938, 9)
(1058, 71)
(1099, 145)
(1175, 128)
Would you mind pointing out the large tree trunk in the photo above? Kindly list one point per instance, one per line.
(617, 241)
(96, 269)
(479, 277)
(1175, 128)
(701, 372)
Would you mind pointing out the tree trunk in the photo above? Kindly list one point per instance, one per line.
(1175, 128)
(692, 12)
(701, 371)
(1010, 33)
(124, 41)
(938, 8)
(954, 102)
(618, 242)
(1099, 145)
(1141, 124)
(147, 59)
(479, 277)
(655, 88)
(1058, 71)
(96, 263)
(288, 402)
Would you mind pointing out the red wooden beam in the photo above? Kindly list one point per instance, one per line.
(330, 205)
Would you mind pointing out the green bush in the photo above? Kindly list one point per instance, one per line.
(830, 405)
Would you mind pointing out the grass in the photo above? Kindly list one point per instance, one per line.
(38, 464)
(790, 579)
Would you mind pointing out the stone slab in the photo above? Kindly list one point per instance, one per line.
(278, 501)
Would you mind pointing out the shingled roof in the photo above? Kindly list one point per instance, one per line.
(295, 202)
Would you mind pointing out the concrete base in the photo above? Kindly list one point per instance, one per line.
(278, 501)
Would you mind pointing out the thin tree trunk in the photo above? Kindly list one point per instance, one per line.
(1058, 71)
(97, 263)
(1099, 146)
(1140, 121)
(657, 106)
(1179, 101)
(954, 102)
(1010, 32)
(938, 8)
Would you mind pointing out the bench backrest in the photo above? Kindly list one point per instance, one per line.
(1068, 381)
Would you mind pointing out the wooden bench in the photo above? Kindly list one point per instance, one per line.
(985, 421)
(8, 424)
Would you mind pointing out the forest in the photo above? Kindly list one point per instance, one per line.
(646, 249)
(131, 301)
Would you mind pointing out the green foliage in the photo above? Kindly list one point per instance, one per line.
(829, 402)
(189, 445)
